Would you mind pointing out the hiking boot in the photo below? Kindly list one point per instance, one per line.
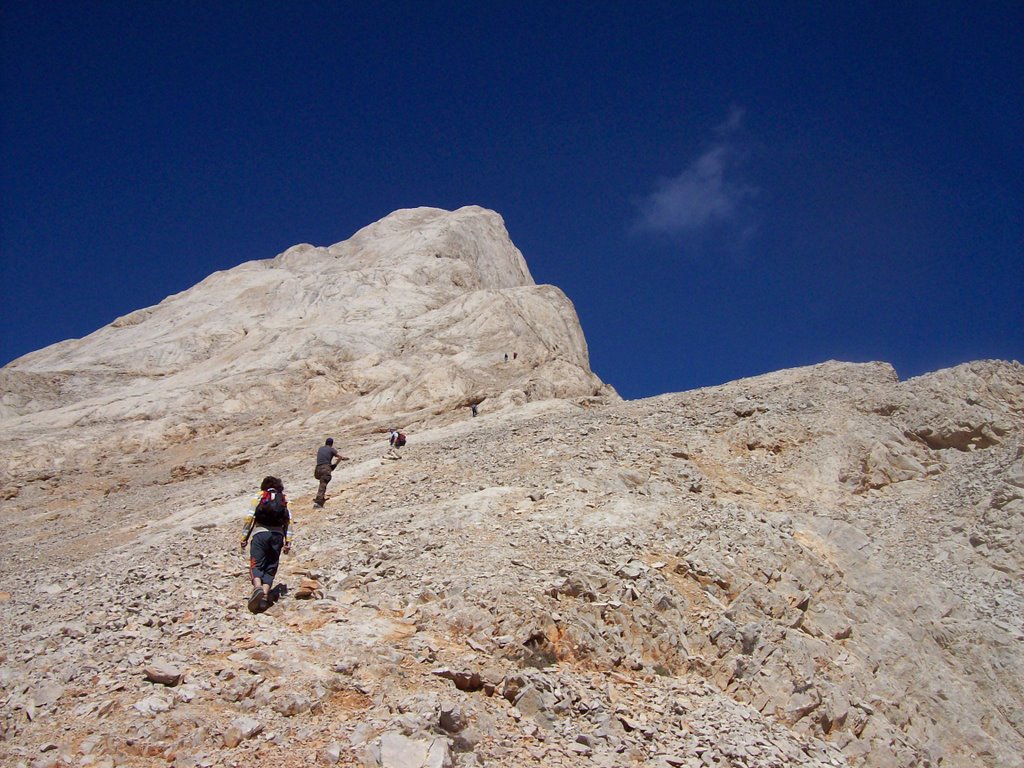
(264, 603)
(256, 601)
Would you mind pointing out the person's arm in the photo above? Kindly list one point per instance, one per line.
(250, 521)
(247, 528)
(288, 531)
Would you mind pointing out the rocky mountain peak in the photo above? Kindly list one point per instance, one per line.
(406, 240)
(414, 314)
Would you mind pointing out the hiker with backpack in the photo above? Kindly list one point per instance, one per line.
(327, 459)
(395, 441)
(268, 527)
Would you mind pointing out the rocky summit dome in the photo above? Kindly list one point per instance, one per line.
(414, 313)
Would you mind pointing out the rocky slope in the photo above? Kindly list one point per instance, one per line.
(816, 567)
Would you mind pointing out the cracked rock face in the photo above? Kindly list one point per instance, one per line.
(815, 567)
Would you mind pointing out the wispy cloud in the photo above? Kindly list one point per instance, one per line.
(709, 193)
(732, 123)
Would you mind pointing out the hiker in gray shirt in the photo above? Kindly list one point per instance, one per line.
(327, 458)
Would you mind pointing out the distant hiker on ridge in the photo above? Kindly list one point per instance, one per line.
(268, 524)
(395, 441)
(327, 458)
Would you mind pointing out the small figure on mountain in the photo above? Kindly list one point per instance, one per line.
(396, 440)
(472, 408)
(268, 526)
(327, 458)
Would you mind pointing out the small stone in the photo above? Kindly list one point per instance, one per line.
(241, 729)
(361, 735)
(89, 744)
(530, 701)
(291, 704)
(164, 673)
(398, 751)
(632, 570)
(309, 589)
(464, 680)
(451, 718)
(153, 705)
(331, 754)
(47, 694)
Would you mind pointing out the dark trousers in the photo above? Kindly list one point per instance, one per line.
(265, 555)
(323, 474)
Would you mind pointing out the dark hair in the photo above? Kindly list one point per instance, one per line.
(330, 441)
(272, 482)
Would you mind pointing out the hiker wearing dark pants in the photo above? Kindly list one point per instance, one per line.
(264, 557)
(267, 530)
(327, 458)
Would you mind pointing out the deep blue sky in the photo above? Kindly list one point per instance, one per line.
(722, 188)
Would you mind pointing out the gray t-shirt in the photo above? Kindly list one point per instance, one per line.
(325, 453)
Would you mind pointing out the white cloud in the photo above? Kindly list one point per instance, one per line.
(710, 192)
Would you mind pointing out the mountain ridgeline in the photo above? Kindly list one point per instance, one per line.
(815, 567)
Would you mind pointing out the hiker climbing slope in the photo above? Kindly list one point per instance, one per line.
(327, 458)
(396, 440)
(268, 525)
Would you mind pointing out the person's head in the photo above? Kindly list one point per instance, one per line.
(330, 441)
(272, 483)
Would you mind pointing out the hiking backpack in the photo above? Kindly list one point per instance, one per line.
(272, 509)
(400, 440)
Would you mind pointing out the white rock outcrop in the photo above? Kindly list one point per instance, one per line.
(414, 314)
